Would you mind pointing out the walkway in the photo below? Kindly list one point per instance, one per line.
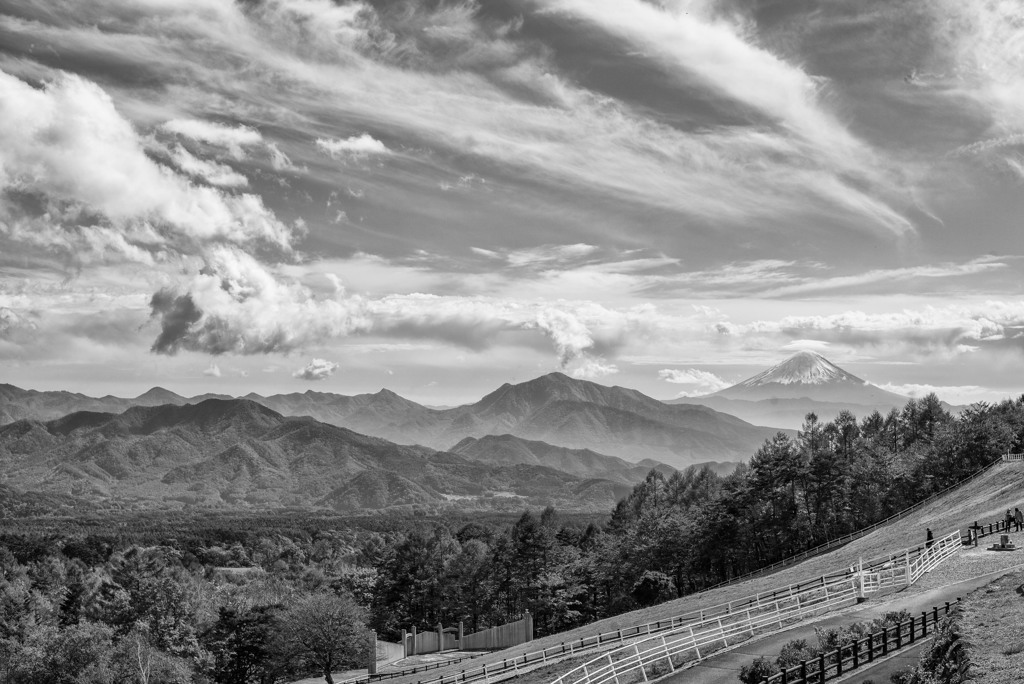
(958, 576)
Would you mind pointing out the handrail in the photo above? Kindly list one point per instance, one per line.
(1012, 457)
(857, 534)
(630, 658)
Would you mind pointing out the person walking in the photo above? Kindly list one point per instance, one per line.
(1008, 520)
(929, 537)
(1018, 519)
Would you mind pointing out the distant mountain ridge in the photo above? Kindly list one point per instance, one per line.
(238, 453)
(805, 382)
(553, 408)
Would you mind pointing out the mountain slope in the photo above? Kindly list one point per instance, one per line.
(238, 453)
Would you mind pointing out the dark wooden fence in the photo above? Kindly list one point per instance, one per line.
(836, 663)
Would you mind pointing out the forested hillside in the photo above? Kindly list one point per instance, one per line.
(227, 605)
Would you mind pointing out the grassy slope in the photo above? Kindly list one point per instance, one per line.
(993, 617)
(983, 499)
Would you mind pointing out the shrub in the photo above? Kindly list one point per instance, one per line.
(758, 670)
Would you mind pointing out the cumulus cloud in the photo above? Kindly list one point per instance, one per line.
(316, 369)
(67, 144)
(355, 147)
(588, 368)
(701, 382)
(213, 371)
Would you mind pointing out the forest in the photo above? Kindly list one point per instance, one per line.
(262, 601)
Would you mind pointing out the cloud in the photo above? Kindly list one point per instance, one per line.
(213, 371)
(543, 255)
(818, 346)
(316, 369)
(213, 173)
(591, 368)
(66, 145)
(957, 394)
(231, 138)
(702, 382)
(355, 147)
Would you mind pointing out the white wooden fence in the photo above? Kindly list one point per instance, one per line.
(1013, 457)
(661, 654)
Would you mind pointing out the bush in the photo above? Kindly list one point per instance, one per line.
(758, 670)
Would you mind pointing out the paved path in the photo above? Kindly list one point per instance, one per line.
(725, 668)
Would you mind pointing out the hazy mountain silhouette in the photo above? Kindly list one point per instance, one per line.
(553, 408)
(508, 449)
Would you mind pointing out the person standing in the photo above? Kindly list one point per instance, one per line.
(1008, 520)
(1018, 519)
(929, 537)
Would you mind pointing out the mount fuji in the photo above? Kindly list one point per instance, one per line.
(805, 382)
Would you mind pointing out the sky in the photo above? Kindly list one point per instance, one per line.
(442, 196)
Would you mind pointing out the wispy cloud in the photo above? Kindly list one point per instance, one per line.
(232, 138)
(355, 147)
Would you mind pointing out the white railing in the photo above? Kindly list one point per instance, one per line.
(1013, 457)
(658, 655)
(664, 653)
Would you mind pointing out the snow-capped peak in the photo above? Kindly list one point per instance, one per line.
(806, 368)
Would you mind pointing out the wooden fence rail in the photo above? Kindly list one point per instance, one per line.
(864, 651)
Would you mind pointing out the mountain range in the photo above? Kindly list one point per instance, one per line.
(237, 453)
(785, 393)
(554, 408)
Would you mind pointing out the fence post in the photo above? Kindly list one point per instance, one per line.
(899, 635)
(636, 649)
(871, 648)
(839, 661)
(912, 629)
(924, 623)
(885, 641)
(821, 668)
(856, 654)
(803, 672)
